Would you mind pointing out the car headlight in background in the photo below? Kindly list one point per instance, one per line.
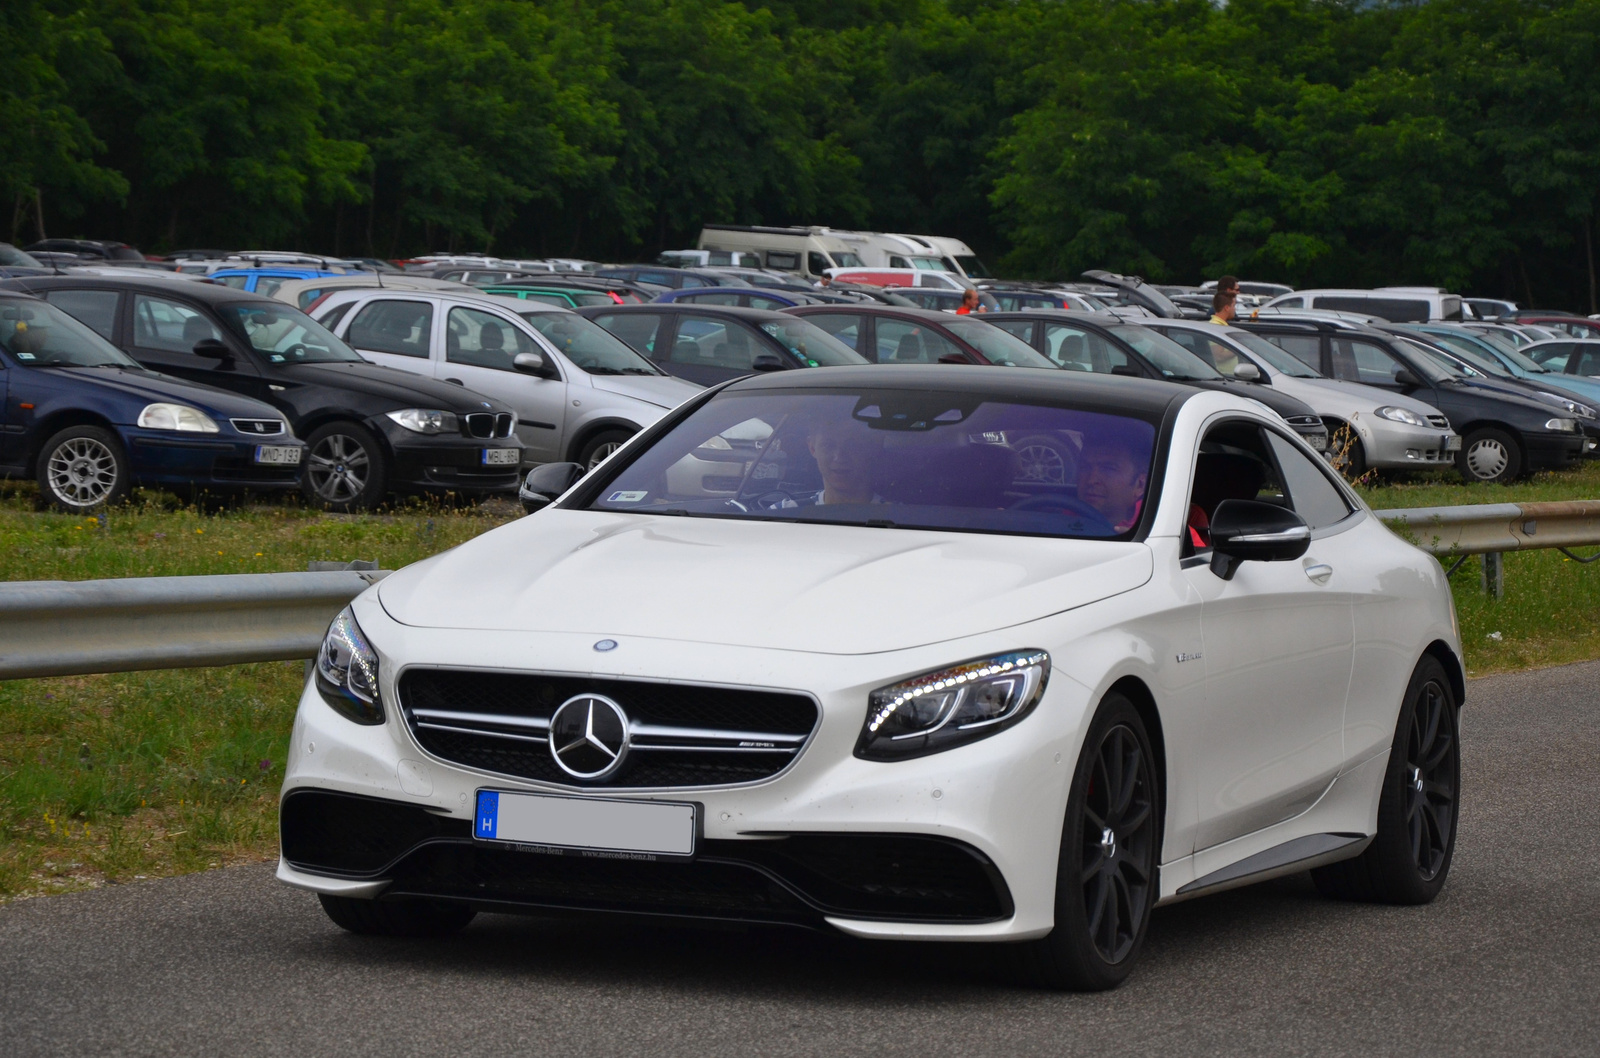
(952, 706)
(1582, 411)
(1563, 425)
(347, 671)
(426, 420)
(178, 417)
(1405, 415)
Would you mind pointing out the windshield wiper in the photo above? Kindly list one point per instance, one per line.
(602, 370)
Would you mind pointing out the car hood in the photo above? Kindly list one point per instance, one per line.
(402, 388)
(664, 391)
(827, 589)
(1355, 391)
(152, 386)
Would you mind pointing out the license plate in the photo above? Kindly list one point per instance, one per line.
(500, 457)
(587, 825)
(278, 455)
(1452, 444)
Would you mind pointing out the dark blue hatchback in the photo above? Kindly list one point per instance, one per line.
(88, 422)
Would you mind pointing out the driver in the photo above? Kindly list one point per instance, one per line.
(847, 455)
(1112, 477)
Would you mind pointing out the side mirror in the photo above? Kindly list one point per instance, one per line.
(1248, 531)
(212, 349)
(532, 363)
(543, 484)
(1247, 372)
(768, 362)
(1406, 377)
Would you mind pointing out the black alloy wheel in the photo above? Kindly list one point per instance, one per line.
(597, 448)
(1106, 880)
(1409, 858)
(81, 469)
(396, 918)
(345, 470)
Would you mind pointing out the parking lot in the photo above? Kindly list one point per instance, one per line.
(1506, 961)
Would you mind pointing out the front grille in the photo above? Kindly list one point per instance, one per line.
(259, 427)
(1439, 422)
(487, 424)
(679, 735)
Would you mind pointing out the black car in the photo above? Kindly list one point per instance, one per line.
(662, 276)
(1107, 345)
(888, 334)
(708, 344)
(370, 429)
(88, 422)
(103, 249)
(1503, 435)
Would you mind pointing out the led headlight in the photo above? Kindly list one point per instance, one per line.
(960, 704)
(1405, 415)
(347, 671)
(1563, 425)
(426, 420)
(178, 417)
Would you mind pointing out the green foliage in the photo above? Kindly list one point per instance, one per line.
(1450, 142)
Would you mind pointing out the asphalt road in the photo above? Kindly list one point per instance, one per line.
(1507, 961)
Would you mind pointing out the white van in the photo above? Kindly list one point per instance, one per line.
(958, 252)
(807, 251)
(709, 259)
(880, 250)
(1395, 304)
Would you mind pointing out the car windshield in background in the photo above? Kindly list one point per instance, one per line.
(1000, 347)
(1165, 355)
(1473, 354)
(896, 459)
(1508, 350)
(286, 335)
(41, 335)
(1434, 366)
(588, 345)
(11, 257)
(813, 346)
(1276, 358)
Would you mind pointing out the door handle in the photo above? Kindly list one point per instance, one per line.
(1319, 572)
(457, 381)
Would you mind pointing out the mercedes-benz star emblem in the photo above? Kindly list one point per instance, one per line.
(589, 736)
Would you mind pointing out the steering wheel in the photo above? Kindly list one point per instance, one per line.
(296, 350)
(771, 501)
(1058, 502)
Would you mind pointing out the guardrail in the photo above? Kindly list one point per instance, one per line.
(70, 628)
(1491, 529)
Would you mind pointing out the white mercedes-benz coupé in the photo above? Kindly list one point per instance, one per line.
(818, 649)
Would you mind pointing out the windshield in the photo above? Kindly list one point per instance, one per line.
(974, 268)
(1276, 358)
(41, 335)
(589, 346)
(905, 459)
(845, 259)
(1508, 351)
(285, 335)
(11, 257)
(1473, 354)
(813, 346)
(1433, 365)
(1000, 347)
(1164, 354)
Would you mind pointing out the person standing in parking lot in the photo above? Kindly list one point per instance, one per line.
(969, 304)
(1222, 307)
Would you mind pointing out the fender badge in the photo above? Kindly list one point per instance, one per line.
(1181, 657)
(605, 645)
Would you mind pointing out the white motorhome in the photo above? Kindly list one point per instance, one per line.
(1395, 304)
(966, 262)
(808, 251)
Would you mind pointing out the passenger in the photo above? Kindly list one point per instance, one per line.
(1112, 476)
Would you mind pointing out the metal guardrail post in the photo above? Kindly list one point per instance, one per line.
(1493, 574)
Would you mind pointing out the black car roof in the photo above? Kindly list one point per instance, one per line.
(208, 293)
(735, 311)
(1149, 397)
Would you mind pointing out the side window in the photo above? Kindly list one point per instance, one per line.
(481, 339)
(404, 328)
(1079, 350)
(169, 325)
(549, 299)
(817, 263)
(1311, 494)
(901, 342)
(1021, 328)
(236, 282)
(268, 285)
(784, 260)
(1291, 303)
(1553, 356)
(712, 342)
(638, 329)
(897, 262)
(1306, 348)
(331, 318)
(95, 308)
(1356, 361)
(843, 326)
(1233, 464)
(757, 301)
(711, 298)
(1588, 361)
(1218, 354)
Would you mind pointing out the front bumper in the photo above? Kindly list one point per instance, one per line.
(165, 457)
(958, 845)
(1396, 444)
(1548, 450)
(450, 462)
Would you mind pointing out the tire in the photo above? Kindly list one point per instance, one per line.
(1354, 463)
(1409, 859)
(396, 918)
(81, 469)
(346, 468)
(1106, 878)
(1489, 455)
(601, 445)
(1044, 461)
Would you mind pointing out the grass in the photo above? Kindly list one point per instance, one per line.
(108, 779)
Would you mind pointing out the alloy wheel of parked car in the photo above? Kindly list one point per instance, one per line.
(345, 468)
(1490, 455)
(601, 445)
(1106, 878)
(1417, 812)
(82, 468)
